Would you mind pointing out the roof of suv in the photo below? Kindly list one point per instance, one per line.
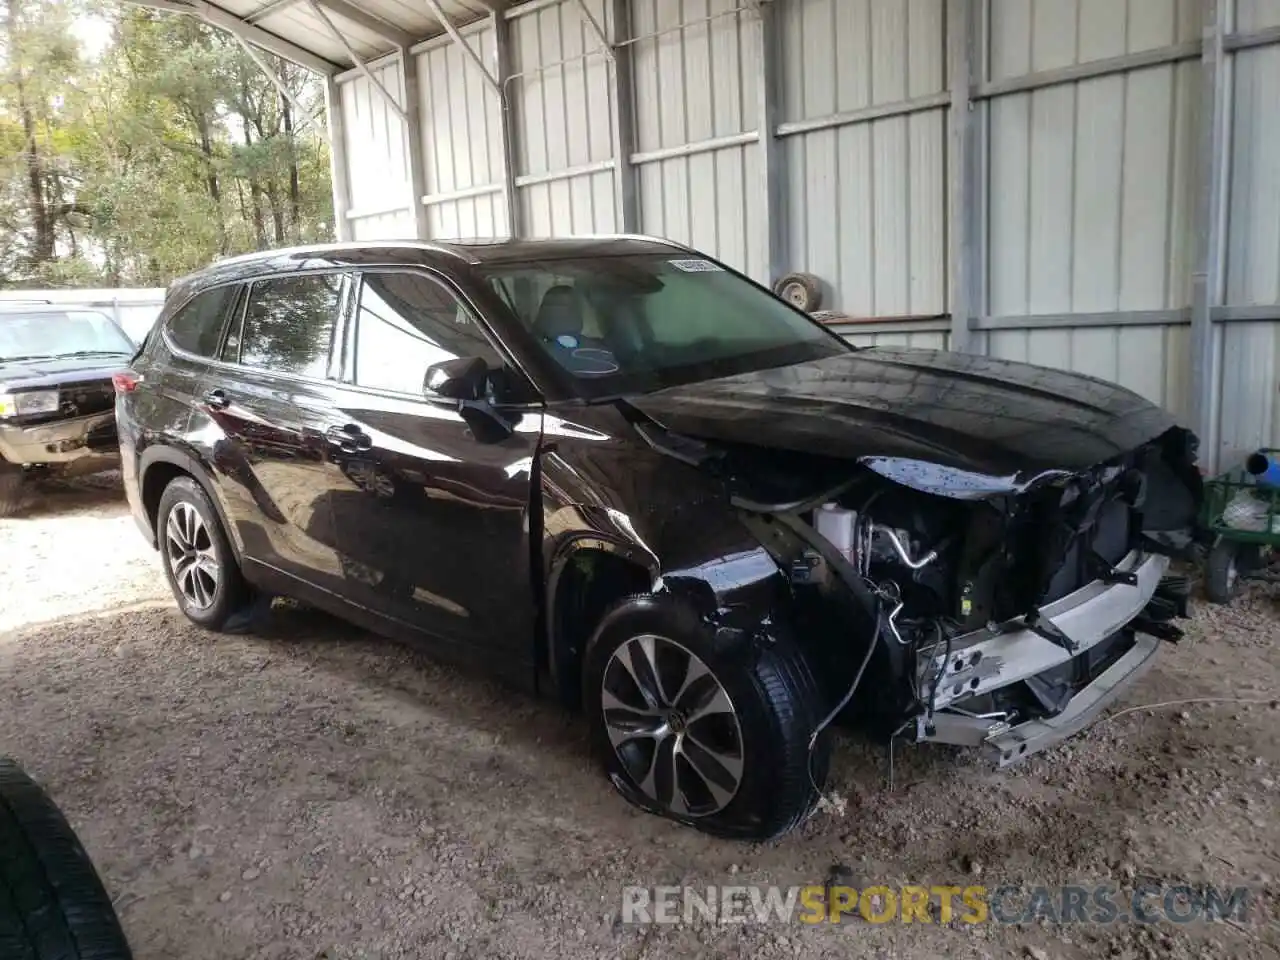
(416, 251)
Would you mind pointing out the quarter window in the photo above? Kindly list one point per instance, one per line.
(197, 327)
(288, 325)
(408, 321)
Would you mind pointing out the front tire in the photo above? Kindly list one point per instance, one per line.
(707, 727)
(52, 902)
(198, 561)
(13, 488)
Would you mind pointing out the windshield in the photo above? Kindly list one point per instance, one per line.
(26, 336)
(633, 324)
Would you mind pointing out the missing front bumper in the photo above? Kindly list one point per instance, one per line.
(983, 662)
(1010, 744)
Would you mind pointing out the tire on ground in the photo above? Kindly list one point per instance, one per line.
(1222, 577)
(231, 594)
(13, 488)
(52, 903)
(773, 691)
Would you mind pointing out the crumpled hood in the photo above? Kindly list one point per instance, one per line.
(992, 417)
(36, 374)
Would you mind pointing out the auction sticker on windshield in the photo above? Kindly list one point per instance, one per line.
(696, 266)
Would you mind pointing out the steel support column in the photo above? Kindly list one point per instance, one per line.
(510, 129)
(1207, 280)
(413, 141)
(768, 94)
(963, 180)
(339, 174)
(622, 120)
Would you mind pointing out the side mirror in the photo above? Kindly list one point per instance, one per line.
(462, 379)
(463, 384)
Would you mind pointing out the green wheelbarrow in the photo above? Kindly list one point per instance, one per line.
(1242, 508)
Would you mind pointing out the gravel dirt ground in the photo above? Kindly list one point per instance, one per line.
(313, 792)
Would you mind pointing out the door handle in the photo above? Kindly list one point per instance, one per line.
(217, 399)
(349, 438)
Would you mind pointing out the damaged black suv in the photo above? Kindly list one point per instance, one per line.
(619, 471)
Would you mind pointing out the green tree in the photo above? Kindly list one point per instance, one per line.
(168, 149)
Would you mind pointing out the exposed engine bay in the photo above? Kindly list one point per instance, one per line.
(998, 612)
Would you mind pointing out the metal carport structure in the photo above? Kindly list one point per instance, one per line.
(1090, 184)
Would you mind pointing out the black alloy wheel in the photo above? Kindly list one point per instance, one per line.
(710, 728)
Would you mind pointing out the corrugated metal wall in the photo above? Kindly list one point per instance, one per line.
(461, 142)
(867, 197)
(1249, 377)
(693, 87)
(1090, 133)
(380, 193)
(1092, 188)
(562, 108)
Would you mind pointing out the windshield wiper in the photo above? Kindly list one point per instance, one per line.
(31, 356)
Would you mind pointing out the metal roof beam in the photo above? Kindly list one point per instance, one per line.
(598, 30)
(217, 17)
(275, 6)
(358, 60)
(375, 25)
(438, 12)
(304, 118)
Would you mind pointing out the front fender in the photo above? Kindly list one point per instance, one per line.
(670, 524)
(712, 559)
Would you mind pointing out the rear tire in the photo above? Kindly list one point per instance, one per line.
(198, 560)
(13, 488)
(1222, 573)
(741, 770)
(52, 903)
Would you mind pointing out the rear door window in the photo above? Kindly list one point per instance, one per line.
(197, 327)
(289, 322)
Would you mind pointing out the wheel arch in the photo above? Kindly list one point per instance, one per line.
(158, 467)
(587, 575)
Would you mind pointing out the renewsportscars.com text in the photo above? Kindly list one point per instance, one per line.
(942, 904)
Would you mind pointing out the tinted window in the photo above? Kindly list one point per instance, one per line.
(197, 326)
(407, 322)
(289, 323)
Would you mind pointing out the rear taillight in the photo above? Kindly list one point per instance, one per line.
(126, 382)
